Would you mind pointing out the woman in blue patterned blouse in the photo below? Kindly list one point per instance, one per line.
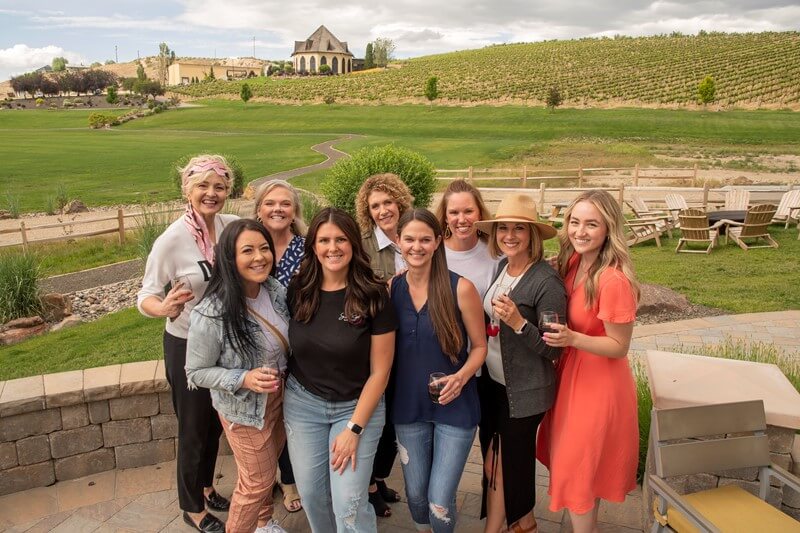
(279, 209)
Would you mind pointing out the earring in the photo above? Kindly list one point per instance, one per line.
(447, 232)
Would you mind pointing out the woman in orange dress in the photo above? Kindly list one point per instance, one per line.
(589, 440)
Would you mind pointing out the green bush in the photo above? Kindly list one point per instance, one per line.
(343, 180)
(39, 102)
(233, 161)
(111, 96)
(19, 291)
(329, 99)
(12, 204)
(100, 120)
(149, 225)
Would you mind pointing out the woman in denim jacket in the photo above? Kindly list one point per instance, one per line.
(237, 348)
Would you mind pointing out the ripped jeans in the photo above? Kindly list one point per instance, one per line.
(433, 457)
(332, 502)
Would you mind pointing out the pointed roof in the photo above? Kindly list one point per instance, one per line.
(321, 40)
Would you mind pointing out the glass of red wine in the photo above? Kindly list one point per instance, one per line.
(547, 317)
(435, 385)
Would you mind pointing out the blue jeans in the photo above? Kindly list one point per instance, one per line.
(433, 458)
(332, 501)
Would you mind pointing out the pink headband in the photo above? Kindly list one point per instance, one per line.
(218, 168)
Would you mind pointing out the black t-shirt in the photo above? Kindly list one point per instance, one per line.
(330, 356)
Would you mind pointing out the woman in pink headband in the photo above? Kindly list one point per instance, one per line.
(177, 273)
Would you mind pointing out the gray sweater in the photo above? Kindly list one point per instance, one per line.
(527, 360)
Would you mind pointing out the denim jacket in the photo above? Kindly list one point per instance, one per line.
(214, 363)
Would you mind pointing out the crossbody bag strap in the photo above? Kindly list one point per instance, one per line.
(272, 328)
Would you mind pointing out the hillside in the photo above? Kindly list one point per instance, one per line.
(751, 70)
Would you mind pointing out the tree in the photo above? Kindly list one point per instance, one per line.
(111, 97)
(165, 58)
(140, 74)
(246, 93)
(554, 98)
(383, 48)
(324, 69)
(59, 64)
(210, 76)
(432, 89)
(706, 90)
(288, 68)
(96, 64)
(148, 87)
(110, 62)
(128, 83)
(369, 57)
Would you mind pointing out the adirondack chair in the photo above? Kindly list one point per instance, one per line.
(710, 438)
(675, 204)
(645, 229)
(755, 226)
(788, 209)
(695, 229)
(642, 211)
(736, 200)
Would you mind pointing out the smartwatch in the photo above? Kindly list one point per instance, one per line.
(355, 428)
(521, 329)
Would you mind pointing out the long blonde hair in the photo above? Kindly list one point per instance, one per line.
(614, 252)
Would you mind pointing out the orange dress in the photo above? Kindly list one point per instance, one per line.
(589, 440)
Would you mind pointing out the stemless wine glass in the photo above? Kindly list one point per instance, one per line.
(184, 280)
(435, 385)
(547, 317)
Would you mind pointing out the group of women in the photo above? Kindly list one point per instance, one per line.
(401, 333)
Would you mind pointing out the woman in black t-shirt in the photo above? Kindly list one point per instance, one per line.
(342, 336)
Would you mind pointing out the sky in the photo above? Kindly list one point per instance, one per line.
(84, 31)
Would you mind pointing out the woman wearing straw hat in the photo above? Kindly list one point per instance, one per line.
(519, 379)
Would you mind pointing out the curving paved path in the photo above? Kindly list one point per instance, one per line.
(326, 149)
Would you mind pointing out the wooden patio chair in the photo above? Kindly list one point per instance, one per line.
(711, 438)
(755, 226)
(644, 229)
(642, 211)
(736, 200)
(788, 209)
(675, 204)
(695, 229)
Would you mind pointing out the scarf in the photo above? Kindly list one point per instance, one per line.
(198, 229)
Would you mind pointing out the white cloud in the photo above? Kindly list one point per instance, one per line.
(21, 58)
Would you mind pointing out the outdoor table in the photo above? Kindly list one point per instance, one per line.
(734, 215)
(557, 207)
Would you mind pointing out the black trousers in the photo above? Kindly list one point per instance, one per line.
(199, 429)
(385, 454)
(285, 464)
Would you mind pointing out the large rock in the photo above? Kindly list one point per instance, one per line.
(75, 206)
(656, 299)
(68, 322)
(55, 307)
(15, 335)
(24, 322)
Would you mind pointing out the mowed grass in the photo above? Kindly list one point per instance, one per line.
(121, 337)
(79, 254)
(131, 163)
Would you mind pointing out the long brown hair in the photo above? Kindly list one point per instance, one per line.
(363, 298)
(457, 186)
(614, 252)
(441, 303)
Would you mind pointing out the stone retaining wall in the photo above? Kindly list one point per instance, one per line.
(72, 424)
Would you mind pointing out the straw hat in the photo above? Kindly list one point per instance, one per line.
(518, 207)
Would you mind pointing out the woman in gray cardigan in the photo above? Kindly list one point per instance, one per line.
(518, 384)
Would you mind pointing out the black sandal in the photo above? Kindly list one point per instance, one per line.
(388, 495)
(382, 508)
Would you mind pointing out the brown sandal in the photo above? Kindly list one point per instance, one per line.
(516, 528)
(291, 498)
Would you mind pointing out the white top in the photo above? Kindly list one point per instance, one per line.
(383, 242)
(504, 284)
(276, 354)
(175, 253)
(475, 264)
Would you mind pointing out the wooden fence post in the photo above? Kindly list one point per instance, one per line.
(580, 176)
(636, 175)
(622, 194)
(524, 182)
(705, 195)
(24, 235)
(469, 174)
(541, 196)
(121, 221)
(694, 176)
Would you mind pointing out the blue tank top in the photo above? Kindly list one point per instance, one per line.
(417, 354)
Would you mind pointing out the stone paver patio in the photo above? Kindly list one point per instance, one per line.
(144, 499)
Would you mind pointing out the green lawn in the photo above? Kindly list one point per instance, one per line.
(130, 163)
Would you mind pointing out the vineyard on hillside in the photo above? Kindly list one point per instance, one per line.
(753, 69)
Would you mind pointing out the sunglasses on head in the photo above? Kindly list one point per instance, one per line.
(218, 168)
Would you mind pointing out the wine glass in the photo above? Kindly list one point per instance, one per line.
(435, 385)
(186, 285)
(547, 317)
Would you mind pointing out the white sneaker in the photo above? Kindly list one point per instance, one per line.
(271, 527)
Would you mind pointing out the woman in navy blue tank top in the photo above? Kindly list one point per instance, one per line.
(437, 311)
